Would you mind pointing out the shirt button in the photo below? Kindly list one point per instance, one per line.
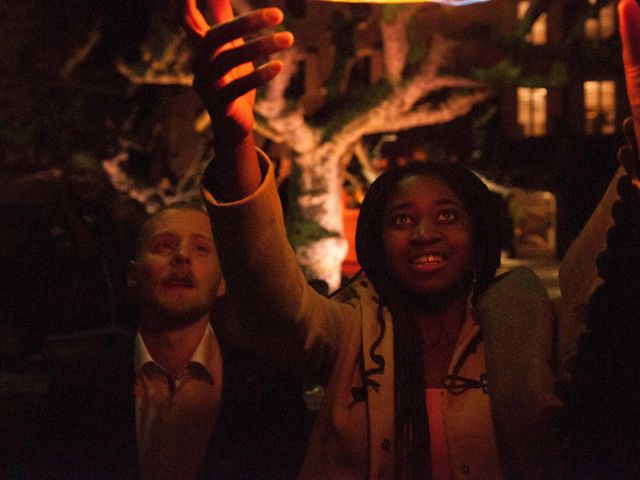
(465, 469)
(385, 445)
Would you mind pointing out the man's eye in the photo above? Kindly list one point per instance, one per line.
(203, 248)
(163, 246)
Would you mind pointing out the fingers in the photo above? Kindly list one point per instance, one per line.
(629, 19)
(629, 133)
(241, 26)
(229, 29)
(628, 154)
(194, 23)
(228, 59)
(220, 49)
(628, 158)
(629, 15)
(224, 76)
(236, 88)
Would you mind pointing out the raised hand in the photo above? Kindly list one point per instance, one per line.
(628, 154)
(224, 76)
(629, 18)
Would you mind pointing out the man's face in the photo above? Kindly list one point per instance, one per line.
(176, 272)
(86, 178)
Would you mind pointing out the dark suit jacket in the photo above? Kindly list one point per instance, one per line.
(90, 427)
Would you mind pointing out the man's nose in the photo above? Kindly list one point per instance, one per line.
(181, 255)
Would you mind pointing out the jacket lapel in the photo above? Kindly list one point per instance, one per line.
(377, 346)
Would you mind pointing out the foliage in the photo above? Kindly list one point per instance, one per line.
(49, 108)
(391, 11)
(551, 65)
(417, 50)
(359, 99)
(508, 73)
(343, 30)
(302, 230)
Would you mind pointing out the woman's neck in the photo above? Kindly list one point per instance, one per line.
(438, 332)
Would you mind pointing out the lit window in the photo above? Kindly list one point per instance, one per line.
(602, 27)
(532, 111)
(538, 33)
(600, 107)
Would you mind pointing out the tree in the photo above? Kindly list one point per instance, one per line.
(157, 136)
(322, 142)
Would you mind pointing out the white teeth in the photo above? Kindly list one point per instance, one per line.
(428, 259)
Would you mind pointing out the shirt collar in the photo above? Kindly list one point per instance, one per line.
(204, 355)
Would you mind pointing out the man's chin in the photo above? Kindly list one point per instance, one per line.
(173, 317)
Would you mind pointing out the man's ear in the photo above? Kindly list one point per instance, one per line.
(222, 288)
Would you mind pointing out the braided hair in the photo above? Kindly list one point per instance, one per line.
(412, 452)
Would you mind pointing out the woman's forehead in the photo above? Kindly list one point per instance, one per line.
(421, 188)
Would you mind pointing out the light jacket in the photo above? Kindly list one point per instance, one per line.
(507, 433)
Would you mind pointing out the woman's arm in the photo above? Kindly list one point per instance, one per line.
(283, 317)
(226, 80)
(578, 275)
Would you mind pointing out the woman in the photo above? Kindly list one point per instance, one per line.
(438, 229)
(431, 366)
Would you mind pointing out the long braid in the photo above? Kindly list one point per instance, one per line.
(412, 422)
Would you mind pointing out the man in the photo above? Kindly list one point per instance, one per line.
(178, 402)
(178, 362)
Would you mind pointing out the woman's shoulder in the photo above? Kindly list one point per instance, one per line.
(513, 291)
(521, 277)
(356, 290)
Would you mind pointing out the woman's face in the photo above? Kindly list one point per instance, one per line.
(427, 236)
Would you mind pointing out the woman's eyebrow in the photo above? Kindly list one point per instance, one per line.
(399, 206)
(439, 202)
(448, 201)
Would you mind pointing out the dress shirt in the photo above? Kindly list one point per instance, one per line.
(175, 419)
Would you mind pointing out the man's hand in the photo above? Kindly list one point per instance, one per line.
(224, 76)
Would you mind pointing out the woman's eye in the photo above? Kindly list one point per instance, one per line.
(448, 216)
(401, 219)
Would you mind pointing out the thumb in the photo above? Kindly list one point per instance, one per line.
(221, 10)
